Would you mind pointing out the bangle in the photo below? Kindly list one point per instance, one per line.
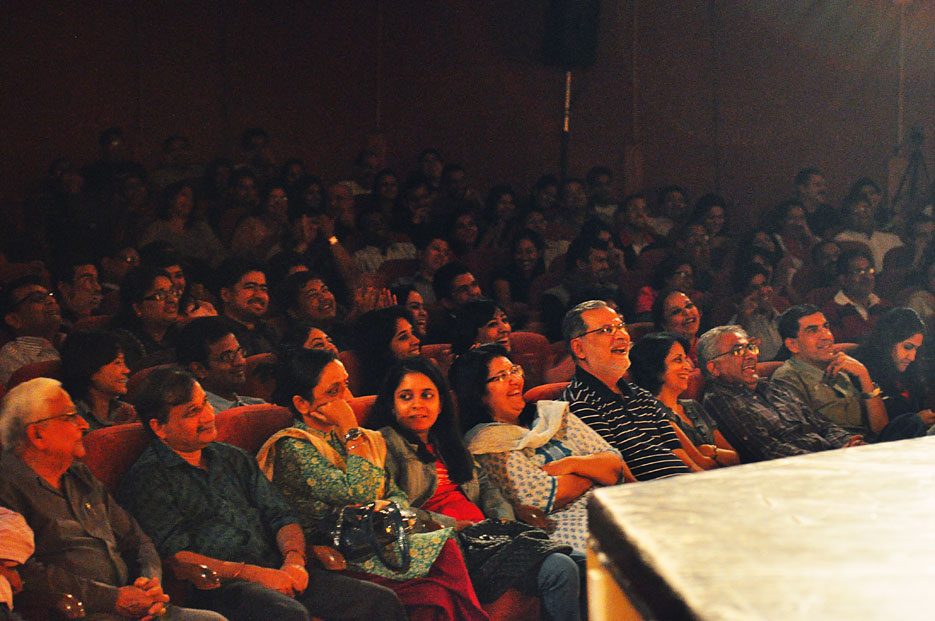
(239, 570)
(873, 394)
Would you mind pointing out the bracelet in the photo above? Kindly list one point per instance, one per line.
(873, 394)
(715, 457)
(299, 552)
(239, 570)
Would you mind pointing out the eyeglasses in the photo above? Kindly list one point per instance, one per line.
(611, 328)
(161, 295)
(36, 297)
(229, 357)
(753, 347)
(513, 371)
(71, 417)
(863, 271)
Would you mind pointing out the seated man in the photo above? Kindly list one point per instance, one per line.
(860, 226)
(244, 295)
(623, 414)
(825, 380)
(78, 288)
(207, 502)
(760, 422)
(86, 545)
(208, 348)
(454, 286)
(855, 307)
(31, 313)
(18, 546)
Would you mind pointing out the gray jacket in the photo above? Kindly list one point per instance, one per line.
(420, 481)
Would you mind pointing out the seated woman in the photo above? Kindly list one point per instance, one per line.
(673, 272)
(660, 364)
(512, 283)
(178, 225)
(326, 462)
(409, 298)
(147, 322)
(538, 454)
(479, 322)
(383, 336)
(95, 374)
(301, 335)
(890, 354)
(262, 229)
(674, 311)
(427, 458)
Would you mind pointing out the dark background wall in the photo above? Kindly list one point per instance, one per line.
(725, 94)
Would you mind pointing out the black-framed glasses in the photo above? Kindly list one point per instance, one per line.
(229, 357)
(502, 376)
(753, 347)
(161, 295)
(611, 328)
(71, 417)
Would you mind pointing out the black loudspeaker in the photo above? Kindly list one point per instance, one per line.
(571, 33)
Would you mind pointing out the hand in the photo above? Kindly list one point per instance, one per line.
(274, 579)
(855, 441)
(134, 602)
(298, 574)
(708, 450)
(928, 417)
(462, 524)
(338, 413)
(12, 577)
(533, 516)
(565, 465)
(153, 588)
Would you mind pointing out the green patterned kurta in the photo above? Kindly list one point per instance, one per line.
(315, 488)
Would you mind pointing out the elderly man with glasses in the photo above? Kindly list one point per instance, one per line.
(85, 543)
(627, 416)
(760, 421)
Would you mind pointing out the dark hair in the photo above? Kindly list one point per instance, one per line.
(580, 249)
(802, 177)
(7, 301)
(658, 310)
(109, 135)
(168, 196)
(441, 283)
(876, 352)
(161, 390)
(161, 257)
(373, 332)
(666, 190)
(471, 318)
(250, 133)
(469, 378)
(666, 268)
(198, 335)
(133, 289)
(648, 357)
(597, 171)
(788, 325)
(844, 260)
(745, 272)
(288, 292)
(232, 270)
(299, 374)
(444, 434)
(776, 217)
(64, 266)
(704, 205)
(493, 197)
(83, 354)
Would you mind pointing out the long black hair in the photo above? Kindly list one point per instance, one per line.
(469, 377)
(444, 434)
(876, 352)
(648, 358)
(299, 374)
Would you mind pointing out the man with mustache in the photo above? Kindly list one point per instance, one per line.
(245, 297)
(85, 543)
(78, 287)
(760, 421)
(834, 384)
(207, 502)
(625, 415)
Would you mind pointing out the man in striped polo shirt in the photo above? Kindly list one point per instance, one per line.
(623, 414)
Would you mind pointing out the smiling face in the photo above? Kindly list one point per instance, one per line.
(416, 404)
(497, 330)
(190, 425)
(111, 379)
(248, 299)
(59, 430)
(680, 315)
(420, 317)
(225, 370)
(316, 302)
(504, 397)
(404, 343)
(904, 352)
(714, 220)
(730, 368)
(465, 230)
(526, 255)
(678, 368)
(604, 353)
(318, 339)
(814, 342)
(435, 255)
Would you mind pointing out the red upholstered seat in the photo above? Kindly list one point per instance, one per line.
(361, 407)
(46, 368)
(112, 450)
(249, 426)
(552, 392)
(261, 376)
(766, 369)
(532, 352)
(352, 365)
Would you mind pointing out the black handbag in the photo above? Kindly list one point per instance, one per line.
(362, 530)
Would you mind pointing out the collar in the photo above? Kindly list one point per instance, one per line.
(805, 369)
(841, 299)
(739, 389)
(171, 459)
(591, 382)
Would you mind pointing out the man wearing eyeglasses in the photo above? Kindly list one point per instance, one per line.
(834, 384)
(623, 414)
(855, 307)
(760, 422)
(31, 313)
(210, 350)
(86, 545)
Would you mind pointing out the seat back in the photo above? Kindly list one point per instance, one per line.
(261, 376)
(352, 365)
(362, 407)
(766, 369)
(109, 452)
(46, 368)
(532, 352)
(549, 392)
(249, 426)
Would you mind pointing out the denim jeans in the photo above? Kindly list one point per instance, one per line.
(559, 587)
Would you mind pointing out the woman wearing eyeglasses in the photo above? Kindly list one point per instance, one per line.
(538, 454)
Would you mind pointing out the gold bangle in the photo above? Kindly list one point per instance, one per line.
(239, 570)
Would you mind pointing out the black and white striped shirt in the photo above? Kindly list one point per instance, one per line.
(632, 423)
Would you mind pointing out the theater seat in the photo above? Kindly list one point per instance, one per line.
(361, 407)
(261, 376)
(532, 352)
(109, 452)
(352, 365)
(549, 392)
(249, 426)
(766, 369)
(46, 368)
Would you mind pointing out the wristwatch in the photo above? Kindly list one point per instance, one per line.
(873, 394)
(354, 433)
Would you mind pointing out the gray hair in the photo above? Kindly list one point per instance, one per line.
(573, 325)
(708, 344)
(24, 404)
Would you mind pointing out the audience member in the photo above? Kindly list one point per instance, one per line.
(79, 291)
(178, 225)
(33, 317)
(860, 226)
(811, 191)
(409, 298)
(758, 309)
(675, 312)
(499, 218)
(433, 253)
(86, 544)
(671, 209)
(635, 233)
(625, 415)
(244, 296)
(95, 374)
(383, 336)
(512, 282)
(454, 285)
(147, 321)
(240, 526)
(855, 307)
(18, 545)
(760, 421)
(481, 321)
